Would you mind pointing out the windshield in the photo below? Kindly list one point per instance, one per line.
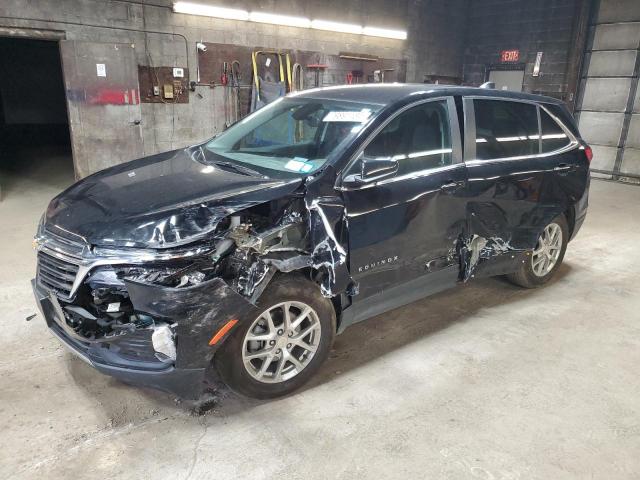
(291, 135)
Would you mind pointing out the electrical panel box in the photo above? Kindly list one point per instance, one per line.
(159, 85)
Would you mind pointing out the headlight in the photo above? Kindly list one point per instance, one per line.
(168, 276)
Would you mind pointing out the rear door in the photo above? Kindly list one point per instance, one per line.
(103, 101)
(511, 196)
(403, 228)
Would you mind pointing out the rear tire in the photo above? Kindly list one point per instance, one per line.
(543, 262)
(293, 346)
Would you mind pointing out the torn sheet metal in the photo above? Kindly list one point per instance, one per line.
(328, 220)
(481, 256)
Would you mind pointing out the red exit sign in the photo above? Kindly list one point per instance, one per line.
(510, 56)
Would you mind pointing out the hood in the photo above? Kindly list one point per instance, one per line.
(161, 201)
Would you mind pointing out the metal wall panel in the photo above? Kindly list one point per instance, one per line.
(601, 128)
(604, 158)
(631, 161)
(633, 136)
(612, 63)
(619, 11)
(616, 36)
(606, 94)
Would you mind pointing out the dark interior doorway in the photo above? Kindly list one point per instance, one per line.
(34, 126)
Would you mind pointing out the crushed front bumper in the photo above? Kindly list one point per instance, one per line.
(197, 313)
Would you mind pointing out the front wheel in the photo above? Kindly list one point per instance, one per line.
(276, 352)
(545, 259)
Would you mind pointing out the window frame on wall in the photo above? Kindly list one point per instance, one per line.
(470, 130)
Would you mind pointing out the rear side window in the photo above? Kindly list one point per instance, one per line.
(419, 139)
(505, 129)
(553, 136)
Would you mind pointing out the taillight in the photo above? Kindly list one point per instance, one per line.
(589, 153)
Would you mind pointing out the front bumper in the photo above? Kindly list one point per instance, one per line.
(197, 313)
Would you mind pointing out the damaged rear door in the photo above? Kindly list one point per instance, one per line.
(510, 201)
(405, 208)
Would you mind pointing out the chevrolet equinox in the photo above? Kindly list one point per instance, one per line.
(245, 255)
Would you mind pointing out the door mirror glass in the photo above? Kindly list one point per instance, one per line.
(374, 168)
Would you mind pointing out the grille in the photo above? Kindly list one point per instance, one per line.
(57, 274)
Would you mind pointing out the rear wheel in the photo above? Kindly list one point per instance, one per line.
(277, 351)
(546, 257)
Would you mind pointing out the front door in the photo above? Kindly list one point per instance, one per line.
(403, 227)
(103, 102)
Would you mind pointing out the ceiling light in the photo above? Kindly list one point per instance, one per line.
(336, 27)
(260, 17)
(274, 19)
(384, 32)
(210, 11)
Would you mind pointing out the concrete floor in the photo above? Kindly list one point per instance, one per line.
(488, 381)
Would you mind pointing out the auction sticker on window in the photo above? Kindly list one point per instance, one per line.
(360, 116)
(299, 165)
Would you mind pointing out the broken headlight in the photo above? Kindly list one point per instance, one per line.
(168, 276)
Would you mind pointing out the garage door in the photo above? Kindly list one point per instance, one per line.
(609, 107)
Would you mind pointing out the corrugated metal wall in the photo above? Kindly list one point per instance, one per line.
(609, 104)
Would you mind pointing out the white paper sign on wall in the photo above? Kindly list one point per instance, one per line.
(101, 69)
(536, 66)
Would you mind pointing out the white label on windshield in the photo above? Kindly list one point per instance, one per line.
(355, 117)
(298, 165)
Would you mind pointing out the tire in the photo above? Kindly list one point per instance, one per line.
(530, 273)
(247, 375)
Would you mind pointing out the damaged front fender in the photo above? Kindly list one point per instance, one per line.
(195, 314)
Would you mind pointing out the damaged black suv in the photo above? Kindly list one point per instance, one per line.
(245, 255)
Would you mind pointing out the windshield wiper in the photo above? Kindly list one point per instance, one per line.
(238, 168)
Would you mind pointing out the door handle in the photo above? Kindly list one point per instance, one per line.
(450, 186)
(562, 168)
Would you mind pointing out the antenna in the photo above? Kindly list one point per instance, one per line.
(491, 85)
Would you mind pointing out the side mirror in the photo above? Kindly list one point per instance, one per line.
(371, 169)
(375, 168)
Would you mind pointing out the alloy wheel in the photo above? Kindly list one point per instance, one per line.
(547, 251)
(281, 342)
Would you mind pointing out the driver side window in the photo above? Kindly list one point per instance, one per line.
(418, 139)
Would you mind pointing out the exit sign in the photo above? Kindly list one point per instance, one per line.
(509, 56)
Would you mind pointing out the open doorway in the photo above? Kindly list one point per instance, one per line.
(34, 127)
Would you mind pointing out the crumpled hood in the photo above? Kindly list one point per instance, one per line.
(161, 201)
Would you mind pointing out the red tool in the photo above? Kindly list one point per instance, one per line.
(349, 78)
(224, 78)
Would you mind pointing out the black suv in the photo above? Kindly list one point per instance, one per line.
(245, 255)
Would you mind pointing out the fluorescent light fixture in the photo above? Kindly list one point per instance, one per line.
(210, 11)
(336, 27)
(385, 33)
(274, 19)
(260, 17)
